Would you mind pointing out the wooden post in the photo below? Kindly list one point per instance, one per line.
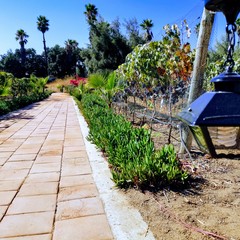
(196, 87)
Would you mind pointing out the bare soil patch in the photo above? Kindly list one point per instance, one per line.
(209, 208)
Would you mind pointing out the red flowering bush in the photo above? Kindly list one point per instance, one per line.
(76, 81)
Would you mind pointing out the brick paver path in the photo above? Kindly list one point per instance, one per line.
(46, 185)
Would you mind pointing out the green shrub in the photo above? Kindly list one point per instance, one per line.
(5, 83)
(28, 86)
(15, 103)
(78, 91)
(131, 155)
(4, 107)
(20, 92)
(61, 88)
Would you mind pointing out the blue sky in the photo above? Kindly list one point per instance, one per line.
(67, 19)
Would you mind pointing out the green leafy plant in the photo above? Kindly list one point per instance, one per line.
(20, 92)
(132, 157)
(60, 87)
(5, 83)
(4, 107)
(106, 85)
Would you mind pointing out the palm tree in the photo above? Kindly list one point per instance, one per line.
(107, 86)
(91, 13)
(43, 26)
(71, 45)
(22, 36)
(147, 24)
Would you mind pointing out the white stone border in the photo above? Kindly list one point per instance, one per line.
(125, 221)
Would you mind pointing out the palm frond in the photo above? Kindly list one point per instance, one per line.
(96, 81)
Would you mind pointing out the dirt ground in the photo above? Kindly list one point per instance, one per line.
(209, 208)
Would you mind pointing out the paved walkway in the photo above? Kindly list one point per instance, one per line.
(46, 186)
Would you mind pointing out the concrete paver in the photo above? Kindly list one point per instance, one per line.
(74, 148)
(77, 192)
(10, 185)
(46, 186)
(79, 208)
(70, 181)
(32, 237)
(50, 152)
(22, 157)
(9, 148)
(32, 204)
(31, 189)
(13, 174)
(5, 154)
(71, 170)
(6, 197)
(26, 224)
(45, 167)
(75, 154)
(92, 227)
(3, 160)
(17, 165)
(73, 142)
(2, 211)
(28, 150)
(43, 177)
(48, 159)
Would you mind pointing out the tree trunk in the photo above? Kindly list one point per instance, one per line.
(45, 52)
(23, 53)
(196, 87)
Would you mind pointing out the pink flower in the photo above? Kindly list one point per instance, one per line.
(75, 82)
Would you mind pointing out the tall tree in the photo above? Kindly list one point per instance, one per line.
(132, 29)
(57, 58)
(43, 26)
(107, 48)
(22, 36)
(71, 45)
(73, 55)
(34, 64)
(91, 13)
(147, 25)
(120, 41)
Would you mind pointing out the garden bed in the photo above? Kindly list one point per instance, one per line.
(209, 208)
(206, 207)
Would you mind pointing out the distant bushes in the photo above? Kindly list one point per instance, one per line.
(16, 93)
